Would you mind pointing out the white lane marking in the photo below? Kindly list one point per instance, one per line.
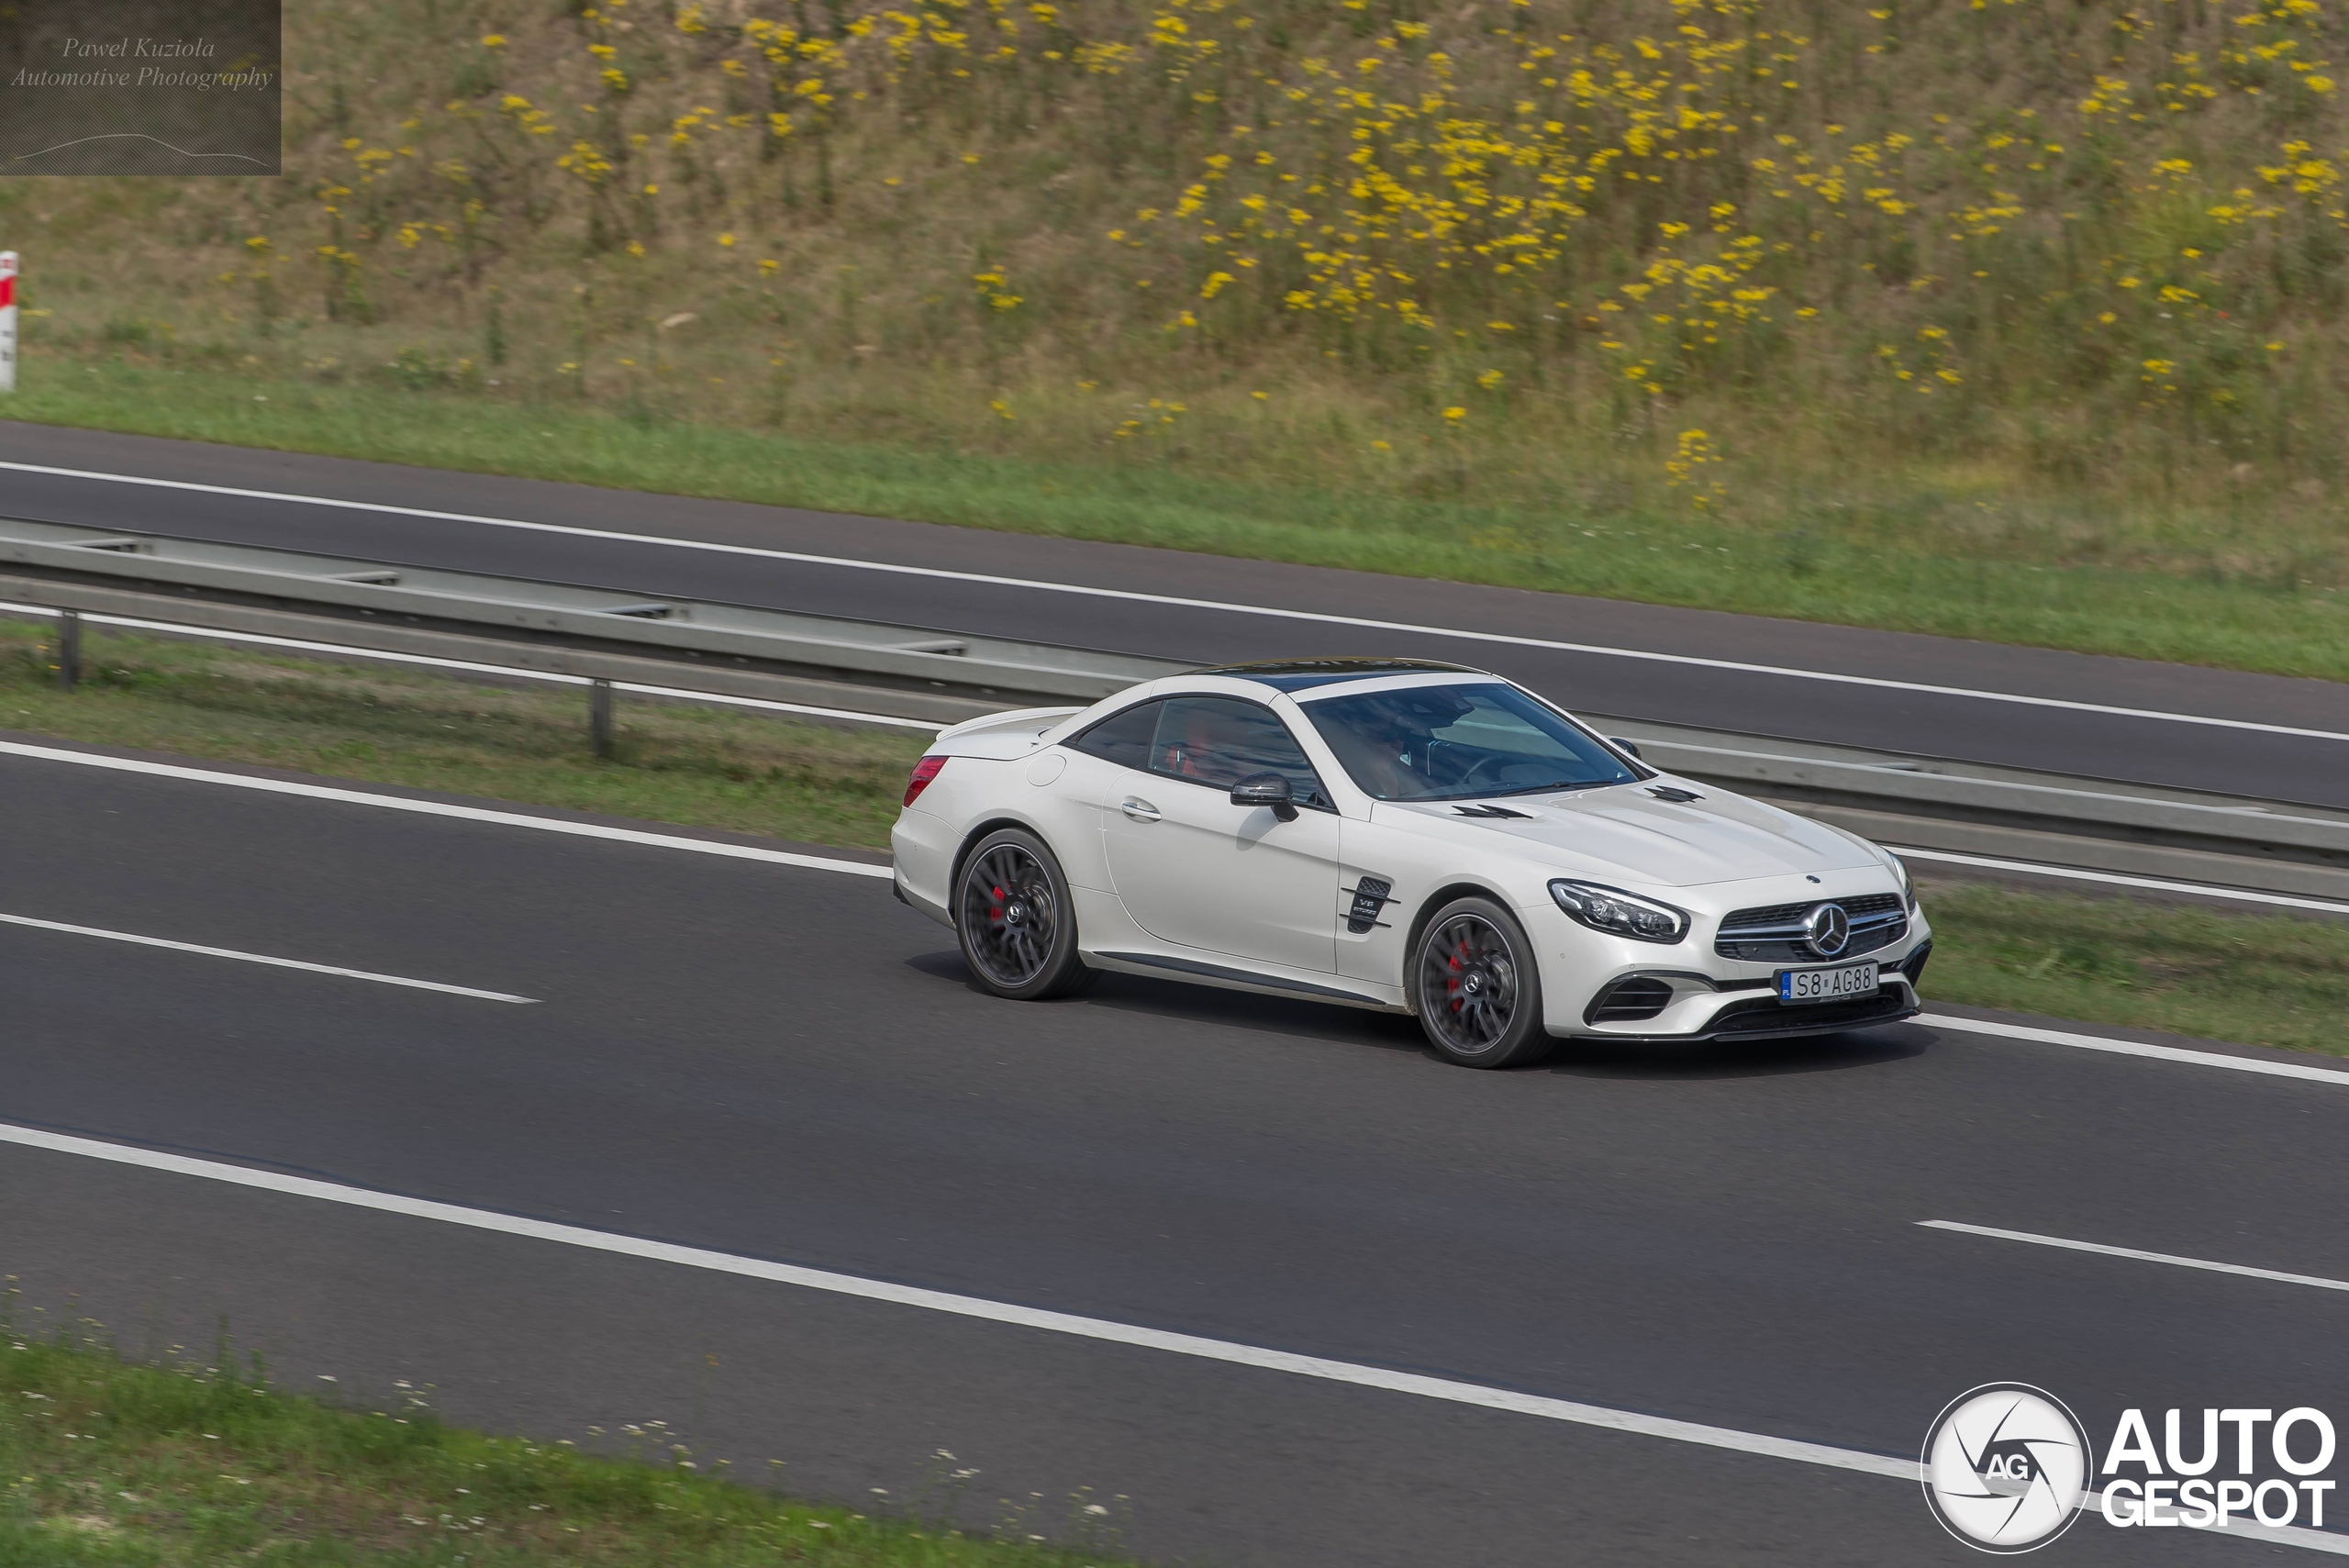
(2318, 1281)
(258, 958)
(210, 635)
(443, 809)
(2157, 885)
(1230, 1352)
(1178, 600)
(859, 868)
(974, 1307)
(2132, 1048)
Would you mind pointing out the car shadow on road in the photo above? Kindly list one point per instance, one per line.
(1173, 1000)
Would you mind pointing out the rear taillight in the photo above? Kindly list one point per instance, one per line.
(924, 771)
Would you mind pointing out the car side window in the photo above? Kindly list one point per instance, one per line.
(1217, 741)
(1123, 738)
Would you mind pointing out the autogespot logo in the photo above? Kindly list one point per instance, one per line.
(2006, 1466)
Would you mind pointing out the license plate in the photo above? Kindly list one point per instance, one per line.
(1826, 984)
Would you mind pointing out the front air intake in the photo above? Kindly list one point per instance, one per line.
(1631, 1001)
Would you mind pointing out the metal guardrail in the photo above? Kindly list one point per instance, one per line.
(607, 635)
(942, 678)
(1941, 803)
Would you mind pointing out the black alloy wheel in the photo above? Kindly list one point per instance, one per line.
(1012, 911)
(1475, 987)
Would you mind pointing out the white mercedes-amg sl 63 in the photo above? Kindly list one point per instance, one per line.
(1401, 835)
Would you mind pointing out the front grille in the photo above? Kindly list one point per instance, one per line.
(1767, 1015)
(1773, 933)
(1629, 1001)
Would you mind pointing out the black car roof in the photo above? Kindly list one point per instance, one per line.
(1298, 674)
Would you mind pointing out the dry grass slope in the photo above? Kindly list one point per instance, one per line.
(2054, 284)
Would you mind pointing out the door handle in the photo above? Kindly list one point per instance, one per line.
(1138, 809)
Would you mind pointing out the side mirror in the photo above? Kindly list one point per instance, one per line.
(1266, 789)
(1622, 745)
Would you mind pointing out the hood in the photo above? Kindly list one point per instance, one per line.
(1625, 834)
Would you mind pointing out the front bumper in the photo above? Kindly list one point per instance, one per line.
(1610, 989)
(1759, 1015)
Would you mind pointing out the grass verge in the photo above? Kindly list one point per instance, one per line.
(1852, 564)
(2258, 979)
(113, 1465)
(2255, 979)
(703, 767)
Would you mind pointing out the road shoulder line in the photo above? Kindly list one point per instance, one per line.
(441, 808)
(1230, 1352)
(2135, 1048)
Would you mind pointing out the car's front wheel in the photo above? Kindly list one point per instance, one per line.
(1476, 987)
(1013, 914)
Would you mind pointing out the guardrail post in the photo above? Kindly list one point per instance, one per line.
(599, 715)
(68, 649)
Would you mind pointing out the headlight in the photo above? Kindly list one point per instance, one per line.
(1907, 888)
(1621, 914)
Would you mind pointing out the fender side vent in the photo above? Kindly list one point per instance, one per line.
(1370, 897)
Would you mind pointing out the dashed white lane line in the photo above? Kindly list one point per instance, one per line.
(1180, 602)
(105, 935)
(300, 645)
(2318, 1281)
(443, 809)
(1166, 1341)
(2134, 1048)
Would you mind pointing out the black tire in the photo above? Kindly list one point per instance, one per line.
(1015, 919)
(1476, 988)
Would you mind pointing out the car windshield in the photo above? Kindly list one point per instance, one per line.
(1459, 743)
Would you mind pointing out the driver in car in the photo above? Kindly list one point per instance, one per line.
(1398, 729)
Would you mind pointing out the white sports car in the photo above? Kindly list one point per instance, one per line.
(1407, 836)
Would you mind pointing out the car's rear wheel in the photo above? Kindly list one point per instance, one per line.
(1013, 914)
(1476, 987)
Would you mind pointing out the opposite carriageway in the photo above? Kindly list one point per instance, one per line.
(2207, 730)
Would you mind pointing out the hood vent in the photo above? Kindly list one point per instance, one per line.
(1675, 796)
(1493, 812)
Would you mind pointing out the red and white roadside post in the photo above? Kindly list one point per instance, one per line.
(7, 321)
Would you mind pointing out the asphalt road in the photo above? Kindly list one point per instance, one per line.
(785, 1063)
(2089, 744)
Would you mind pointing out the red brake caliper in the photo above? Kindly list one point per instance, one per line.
(994, 909)
(1451, 985)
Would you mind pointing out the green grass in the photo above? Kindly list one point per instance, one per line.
(185, 1466)
(1877, 566)
(2263, 980)
(705, 767)
(2256, 979)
